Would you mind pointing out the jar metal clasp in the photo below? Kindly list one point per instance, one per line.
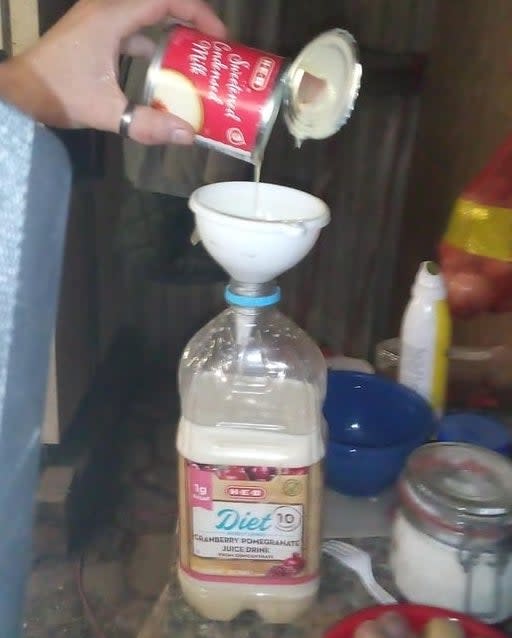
(496, 558)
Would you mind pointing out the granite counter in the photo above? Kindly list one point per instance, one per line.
(340, 594)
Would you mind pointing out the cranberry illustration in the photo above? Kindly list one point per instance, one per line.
(233, 473)
(202, 466)
(295, 471)
(278, 571)
(261, 473)
(295, 563)
(289, 567)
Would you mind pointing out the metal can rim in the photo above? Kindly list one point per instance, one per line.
(292, 84)
(267, 122)
(155, 65)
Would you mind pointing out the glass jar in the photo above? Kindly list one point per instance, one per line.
(477, 376)
(452, 534)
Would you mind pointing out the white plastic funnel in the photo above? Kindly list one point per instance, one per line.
(257, 231)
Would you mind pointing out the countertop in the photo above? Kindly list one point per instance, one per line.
(340, 594)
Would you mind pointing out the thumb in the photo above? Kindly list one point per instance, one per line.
(150, 126)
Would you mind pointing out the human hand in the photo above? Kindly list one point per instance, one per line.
(69, 78)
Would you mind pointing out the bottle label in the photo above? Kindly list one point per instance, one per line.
(416, 369)
(424, 368)
(246, 524)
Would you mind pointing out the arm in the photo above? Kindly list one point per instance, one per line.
(19, 87)
(69, 78)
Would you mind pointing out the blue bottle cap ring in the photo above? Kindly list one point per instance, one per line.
(252, 302)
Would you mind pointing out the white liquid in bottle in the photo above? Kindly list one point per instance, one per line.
(297, 453)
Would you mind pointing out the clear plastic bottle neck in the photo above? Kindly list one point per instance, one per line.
(252, 297)
(252, 290)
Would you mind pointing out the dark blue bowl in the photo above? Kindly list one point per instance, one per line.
(374, 424)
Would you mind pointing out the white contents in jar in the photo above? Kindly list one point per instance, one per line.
(428, 571)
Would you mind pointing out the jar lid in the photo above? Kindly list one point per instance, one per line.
(332, 58)
(460, 477)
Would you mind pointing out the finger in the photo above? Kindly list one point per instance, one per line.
(138, 45)
(151, 127)
(195, 12)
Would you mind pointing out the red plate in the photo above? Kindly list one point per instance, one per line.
(417, 616)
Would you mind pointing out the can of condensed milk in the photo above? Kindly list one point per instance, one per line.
(231, 94)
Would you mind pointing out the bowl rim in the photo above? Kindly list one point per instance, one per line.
(362, 447)
(414, 439)
(203, 210)
(345, 627)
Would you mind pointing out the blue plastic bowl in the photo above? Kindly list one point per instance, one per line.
(374, 424)
(477, 429)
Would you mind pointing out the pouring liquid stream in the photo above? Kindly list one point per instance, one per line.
(312, 89)
(258, 213)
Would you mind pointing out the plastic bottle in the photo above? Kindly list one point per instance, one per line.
(250, 444)
(426, 337)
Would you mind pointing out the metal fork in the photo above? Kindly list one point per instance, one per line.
(360, 562)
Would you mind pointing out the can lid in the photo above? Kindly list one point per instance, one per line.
(332, 58)
(470, 480)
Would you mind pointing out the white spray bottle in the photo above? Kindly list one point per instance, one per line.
(425, 337)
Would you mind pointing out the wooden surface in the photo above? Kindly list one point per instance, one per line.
(466, 112)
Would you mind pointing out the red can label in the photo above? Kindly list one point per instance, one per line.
(220, 88)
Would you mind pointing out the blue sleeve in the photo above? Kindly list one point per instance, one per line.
(34, 191)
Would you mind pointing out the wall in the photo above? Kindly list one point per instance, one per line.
(24, 23)
(466, 111)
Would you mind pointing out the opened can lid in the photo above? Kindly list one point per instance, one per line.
(331, 58)
(468, 479)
